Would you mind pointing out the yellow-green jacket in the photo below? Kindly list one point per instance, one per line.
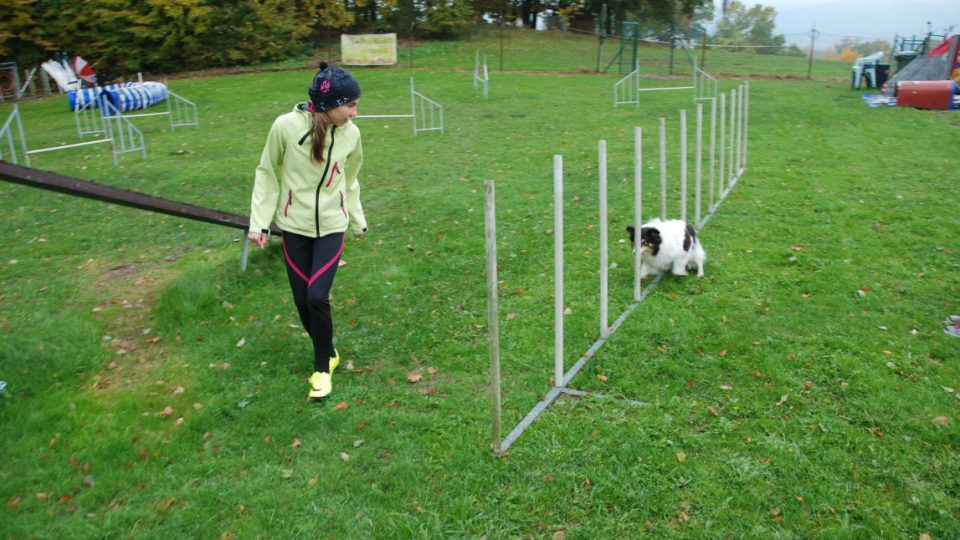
(308, 198)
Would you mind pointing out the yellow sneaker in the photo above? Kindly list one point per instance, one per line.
(334, 361)
(320, 385)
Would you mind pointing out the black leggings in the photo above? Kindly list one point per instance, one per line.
(311, 266)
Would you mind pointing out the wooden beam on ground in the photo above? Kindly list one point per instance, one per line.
(27, 176)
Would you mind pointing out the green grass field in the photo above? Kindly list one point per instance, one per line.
(802, 388)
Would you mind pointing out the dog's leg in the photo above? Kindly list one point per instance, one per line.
(644, 270)
(679, 268)
(699, 268)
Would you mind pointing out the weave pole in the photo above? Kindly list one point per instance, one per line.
(637, 205)
(561, 384)
(733, 139)
(604, 325)
(493, 308)
(745, 119)
(663, 168)
(558, 270)
(683, 164)
(713, 148)
(698, 174)
(721, 169)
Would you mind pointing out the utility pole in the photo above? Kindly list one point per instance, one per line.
(602, 31)
(813, 37)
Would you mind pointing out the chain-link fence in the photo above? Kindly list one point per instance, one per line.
(513, 49)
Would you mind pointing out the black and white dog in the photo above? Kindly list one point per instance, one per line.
(668, 245)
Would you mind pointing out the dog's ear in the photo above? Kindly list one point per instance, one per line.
(650, 235)
(633, 234)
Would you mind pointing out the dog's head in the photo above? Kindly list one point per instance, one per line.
(650, 239)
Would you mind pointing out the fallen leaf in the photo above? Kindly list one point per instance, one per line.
(358, 443)
(783, 399)
(242, 342)
(41, 496)
(684, 517)
(797, 247)
(559, 535)
(167, 411)
(548, 477)
(712, 411)
(178, 390)
(351, 302)
(681, 457)
(601, 377)
(179, 421)
(197, 406)
(391, 382)
(153, 339)
(13, 502)
(344, 456)
(941, 420)
(349, 365)
(726, 387)
(341, 406)
(431, 370)
(723, 353)
(296, 443)
(169, 502)
(313, 481)
(414, 377)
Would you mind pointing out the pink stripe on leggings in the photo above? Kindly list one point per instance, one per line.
(319, 272)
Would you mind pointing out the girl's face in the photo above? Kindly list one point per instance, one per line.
(344, 113)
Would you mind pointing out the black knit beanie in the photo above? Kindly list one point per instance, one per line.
(331, 88)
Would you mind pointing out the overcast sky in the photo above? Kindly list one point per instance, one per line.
(864, 19)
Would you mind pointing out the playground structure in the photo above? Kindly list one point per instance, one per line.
(729, 175)
(480, 74)
(427, 115)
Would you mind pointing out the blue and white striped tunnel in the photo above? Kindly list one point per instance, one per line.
(124, 96)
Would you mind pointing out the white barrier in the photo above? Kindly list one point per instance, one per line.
(89, 106)
(626, 91)
(427, 115)
(562, 379)
(122, 136)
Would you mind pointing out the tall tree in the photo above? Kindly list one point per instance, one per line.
(754, 26)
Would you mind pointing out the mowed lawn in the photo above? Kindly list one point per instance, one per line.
(802, 388)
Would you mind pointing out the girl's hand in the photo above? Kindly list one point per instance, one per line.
(258, 239)
(358, 234)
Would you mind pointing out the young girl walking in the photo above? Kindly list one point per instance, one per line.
(307, 181)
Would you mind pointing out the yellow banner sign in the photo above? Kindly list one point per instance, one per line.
(369, 49)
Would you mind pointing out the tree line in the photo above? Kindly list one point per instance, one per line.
(126, 36)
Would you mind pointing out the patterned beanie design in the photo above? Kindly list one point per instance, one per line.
(331, 88)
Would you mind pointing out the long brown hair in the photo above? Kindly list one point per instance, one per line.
(319, 133)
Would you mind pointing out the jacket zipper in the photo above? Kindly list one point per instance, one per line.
(342, 209)
(316, 206)
(289, 202)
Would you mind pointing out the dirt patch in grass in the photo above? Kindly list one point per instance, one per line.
(126, 293)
